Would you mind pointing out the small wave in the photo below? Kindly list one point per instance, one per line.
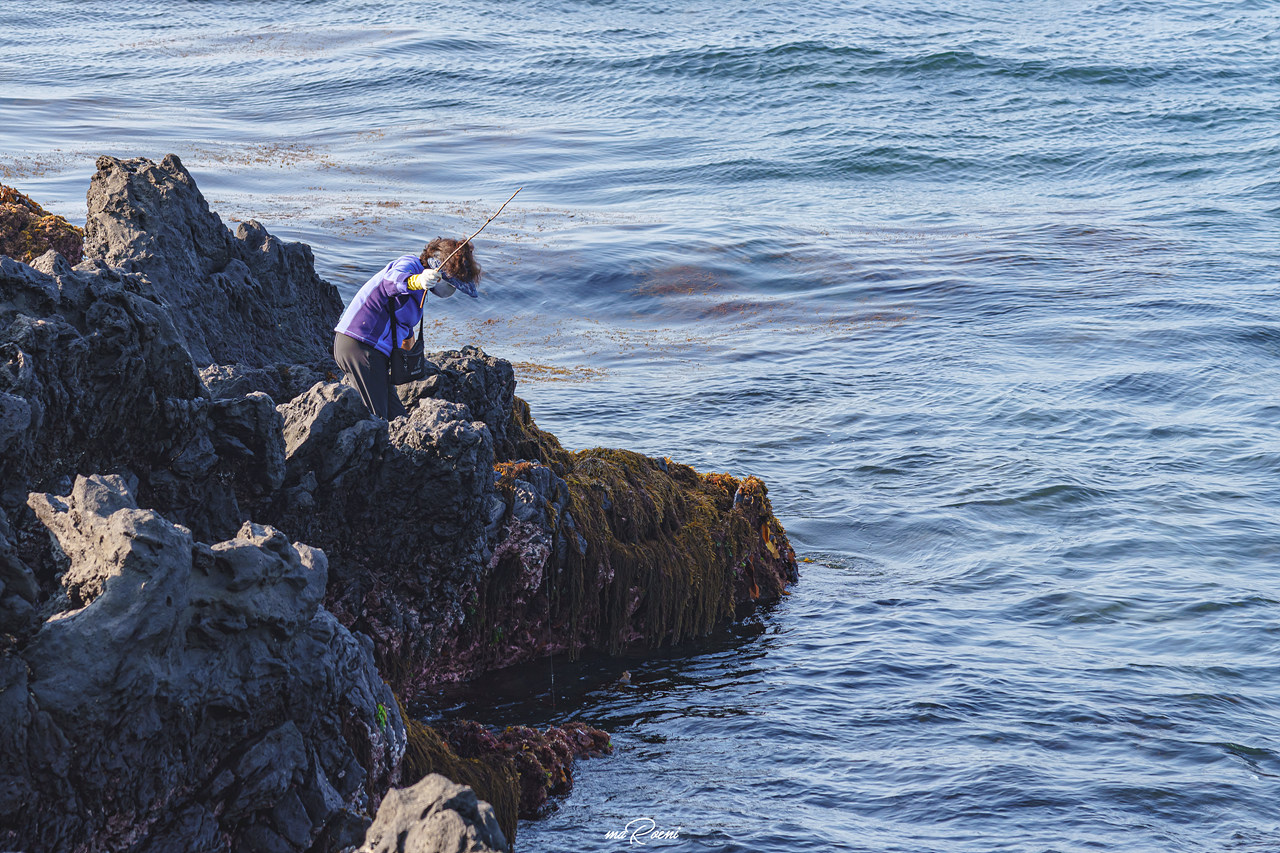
(1203, 608)
(751, 64)
(1072, 608)
(1057, 495)
(1153, 385)
(1055, 71)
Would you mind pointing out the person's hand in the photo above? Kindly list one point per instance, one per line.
(423, 280)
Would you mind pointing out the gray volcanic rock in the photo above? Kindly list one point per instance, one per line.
(248, 299)
(282, 382)
(406, 510)
(195, 698)
(484, 384)
(434, 816)
(94, 377)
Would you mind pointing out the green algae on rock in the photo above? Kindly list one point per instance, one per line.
(27, 230)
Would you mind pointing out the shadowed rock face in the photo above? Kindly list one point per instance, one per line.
(190, 696)
(407, 511)
(404, 510)
(245, 299)
(94, 377)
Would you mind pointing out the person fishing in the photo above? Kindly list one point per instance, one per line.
(384, 311)
(395, 297)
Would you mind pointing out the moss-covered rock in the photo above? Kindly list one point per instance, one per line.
(609, 549)
(27, 230)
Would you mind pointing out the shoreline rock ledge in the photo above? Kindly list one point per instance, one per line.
(222, 581)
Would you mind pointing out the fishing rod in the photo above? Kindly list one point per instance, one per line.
(458, 248)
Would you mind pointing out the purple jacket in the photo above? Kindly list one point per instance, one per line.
(368, 317)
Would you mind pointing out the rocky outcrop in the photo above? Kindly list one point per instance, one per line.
(160, 693)
(188, 696)
(406, 511)
(600, 549)
(434, 816)
(27, 230)
(244, 299)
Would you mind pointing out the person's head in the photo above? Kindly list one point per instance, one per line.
(461, 266)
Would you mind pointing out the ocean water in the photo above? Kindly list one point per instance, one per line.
(985, 291)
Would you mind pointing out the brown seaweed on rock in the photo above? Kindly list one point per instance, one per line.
(606, 549)
(495, 781)
(671, 554)
(27, 230)
(543, 759)
(516, 770)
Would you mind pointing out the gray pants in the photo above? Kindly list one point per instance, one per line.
(370, 371)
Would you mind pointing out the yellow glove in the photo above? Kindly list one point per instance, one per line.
(422, 280)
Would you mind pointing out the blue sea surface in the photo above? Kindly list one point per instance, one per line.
(986, 292)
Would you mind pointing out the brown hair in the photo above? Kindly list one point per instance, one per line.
(461, 266)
